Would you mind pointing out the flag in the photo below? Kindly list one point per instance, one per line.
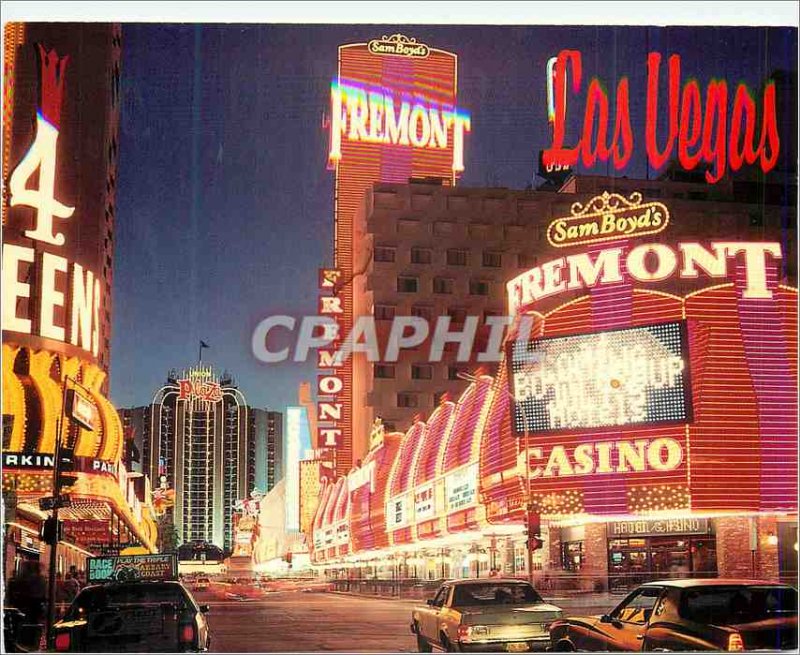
(203, 344)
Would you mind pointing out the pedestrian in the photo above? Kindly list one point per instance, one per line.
(28, 593)
(71, 586)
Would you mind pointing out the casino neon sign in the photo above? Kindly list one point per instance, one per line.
(378, 115)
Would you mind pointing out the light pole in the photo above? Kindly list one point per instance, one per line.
(77, 414)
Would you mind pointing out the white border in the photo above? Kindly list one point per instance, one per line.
(734, 12)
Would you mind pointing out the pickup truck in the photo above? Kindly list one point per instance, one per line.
(481, 615)
(138, 617)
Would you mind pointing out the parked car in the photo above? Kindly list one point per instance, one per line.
(689, 615)
(202, 583)
(142, 616)
(482, 615)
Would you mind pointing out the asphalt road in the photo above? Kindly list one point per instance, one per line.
(245, 619)
(293, 621)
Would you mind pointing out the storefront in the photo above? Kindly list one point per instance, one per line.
(644, 550)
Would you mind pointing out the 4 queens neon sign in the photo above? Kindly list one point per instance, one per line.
(377, 115)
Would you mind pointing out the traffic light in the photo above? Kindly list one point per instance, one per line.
(51, 532)
(534, 531)
(65, 467)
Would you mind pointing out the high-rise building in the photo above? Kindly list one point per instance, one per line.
(265, 458)
(393, 117)
(298, 447)
(200, 438)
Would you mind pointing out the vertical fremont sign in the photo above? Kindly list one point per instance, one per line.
(393, 116)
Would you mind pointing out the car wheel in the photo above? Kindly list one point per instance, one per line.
(423, 646)
(564, 646)
(447, 645)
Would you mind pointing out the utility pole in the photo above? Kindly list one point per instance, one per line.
(54, 531)
(79, 410)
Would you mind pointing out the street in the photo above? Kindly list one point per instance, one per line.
(302, 622)
(294, 621)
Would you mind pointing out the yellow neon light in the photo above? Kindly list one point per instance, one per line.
(13, 399)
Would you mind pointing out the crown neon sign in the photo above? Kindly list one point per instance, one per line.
(377, 115)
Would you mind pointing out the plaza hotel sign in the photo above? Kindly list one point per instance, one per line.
(45, 293)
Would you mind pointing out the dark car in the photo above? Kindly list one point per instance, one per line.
(145, 616)
(689, 615)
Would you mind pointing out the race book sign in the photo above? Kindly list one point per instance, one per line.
(130, 568)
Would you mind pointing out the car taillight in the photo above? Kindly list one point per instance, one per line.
(463, 631)
(735, 642)
(187, 634)
(62, 642)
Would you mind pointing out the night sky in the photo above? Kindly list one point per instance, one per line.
(224, 201)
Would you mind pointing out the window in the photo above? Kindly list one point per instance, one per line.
(422, 311)
(525, 260)
(406, 400)
(384, 312)
(407, 284)
(456, 257)
(421, 372)
(638, 606)
(439, 397)
(478, 288)
(384, 371)
(441, 597)
(442, 285)
(489, 594)
(737, 604)
(492, 259)
(457, 315)
(452, 372)
(421, 256)
(384, 253)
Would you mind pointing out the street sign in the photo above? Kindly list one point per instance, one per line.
(53, 502)
(80, 409)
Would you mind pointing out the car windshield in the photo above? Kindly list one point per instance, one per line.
(733, 605)
(498, 593)
(101, 597)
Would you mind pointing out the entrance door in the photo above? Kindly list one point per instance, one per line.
(671, 557)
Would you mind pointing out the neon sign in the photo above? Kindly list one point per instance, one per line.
(712, 135)
(648, 262)
(623, 456)
(57, 282)
(330, 382)
(606, 218)
(399, 45)
(377, 115)
(197, 390)
(621, 377)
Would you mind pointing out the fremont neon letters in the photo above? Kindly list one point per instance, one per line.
(373, 115)
(648, 262)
